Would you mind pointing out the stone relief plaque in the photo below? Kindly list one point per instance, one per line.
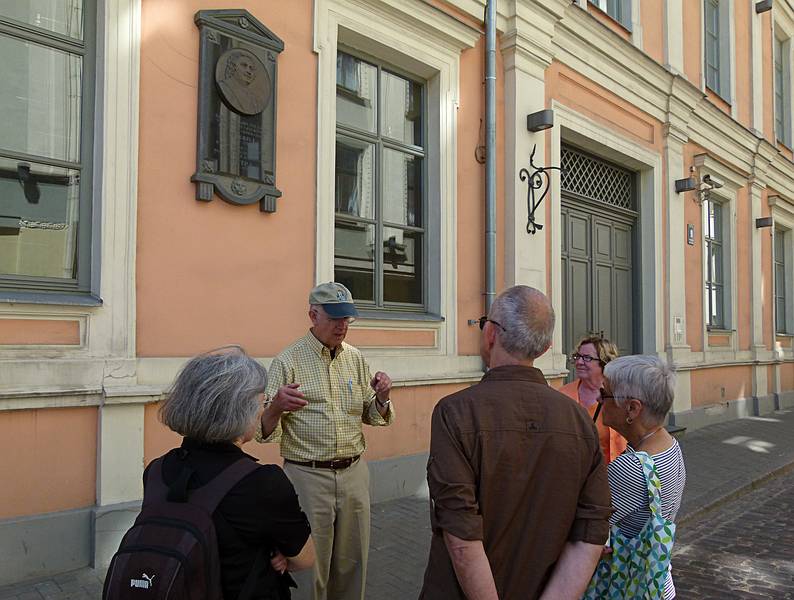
(236, 153)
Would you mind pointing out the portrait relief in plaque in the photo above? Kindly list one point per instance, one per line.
(243, 81)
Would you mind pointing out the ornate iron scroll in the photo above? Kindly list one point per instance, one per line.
(535, 181)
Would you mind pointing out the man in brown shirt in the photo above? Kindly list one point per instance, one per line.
(520, 500)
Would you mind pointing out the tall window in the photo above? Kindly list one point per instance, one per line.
(46, 144)
(717, 46)
(782, 93)
(712, 44)
(379, 236)
(781, 282)
(620, 10)
(715, 279)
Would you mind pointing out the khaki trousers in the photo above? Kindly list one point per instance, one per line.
(337, 505)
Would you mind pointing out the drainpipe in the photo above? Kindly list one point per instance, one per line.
(490, 154)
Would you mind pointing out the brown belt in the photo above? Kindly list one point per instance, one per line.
(335, 464)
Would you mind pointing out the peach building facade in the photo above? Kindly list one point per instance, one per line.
(379, 139)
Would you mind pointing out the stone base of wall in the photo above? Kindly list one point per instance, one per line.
(43, 545)
(727, 411)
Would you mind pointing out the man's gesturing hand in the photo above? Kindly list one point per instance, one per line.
(289, 398)
(381, 383)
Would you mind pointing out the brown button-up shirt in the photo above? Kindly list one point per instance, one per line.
(515, 464)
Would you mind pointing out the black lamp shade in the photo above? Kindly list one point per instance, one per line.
(538, 121)
(685, 185)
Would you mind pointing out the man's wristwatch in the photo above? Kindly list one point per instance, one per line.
(383, 404)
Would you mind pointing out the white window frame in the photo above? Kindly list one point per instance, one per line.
(782, 80)
(419, 40)
(782, 211)
(783, 29)
(727, 196)
(727, 49)
(626, 6)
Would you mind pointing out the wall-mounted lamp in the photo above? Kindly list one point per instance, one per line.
(762, 222)
(763, 6)
(702, 185)
(538, 121)
(685, 185)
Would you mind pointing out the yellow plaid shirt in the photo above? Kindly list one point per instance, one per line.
(340, 400)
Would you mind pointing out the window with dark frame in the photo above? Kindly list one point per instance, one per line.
(46, 145)
(712, 45)
(379, 233)
(620, 10)
(781, 282)
(782, 94)
(715, 278)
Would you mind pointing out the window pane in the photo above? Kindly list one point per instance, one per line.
(780, 237)
(61, 16)
(780, 315)
(355, 179)
(402, 266)
(780, 279)
(402, 188)
(401, 116)
(715, 299)
(354, 258)
(38, 220)
(41, 99)
(716, 263)
(356, 92)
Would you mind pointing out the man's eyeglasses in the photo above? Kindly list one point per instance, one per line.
(585, 357)
(484, 319)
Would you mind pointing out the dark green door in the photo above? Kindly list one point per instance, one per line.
(598, 282)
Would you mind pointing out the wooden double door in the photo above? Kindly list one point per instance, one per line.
(598, 279)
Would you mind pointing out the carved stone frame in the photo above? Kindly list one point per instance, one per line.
(242, 28)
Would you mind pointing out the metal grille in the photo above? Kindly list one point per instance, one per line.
(596, 179)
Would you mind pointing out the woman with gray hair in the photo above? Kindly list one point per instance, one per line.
(637, 395)
(216, 403)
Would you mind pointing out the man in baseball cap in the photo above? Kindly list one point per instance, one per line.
(320, 392)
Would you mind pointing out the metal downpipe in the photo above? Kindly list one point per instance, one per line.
(490, 154)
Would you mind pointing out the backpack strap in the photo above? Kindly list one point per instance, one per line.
(208, 496)
(155, 489)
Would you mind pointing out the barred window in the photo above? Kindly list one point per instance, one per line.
(595, 179)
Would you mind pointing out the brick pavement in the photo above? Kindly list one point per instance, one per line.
(723, 462)
(744, 550)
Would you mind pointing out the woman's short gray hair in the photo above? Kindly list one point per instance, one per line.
(646, 378)
(528, 321)
(215, 396)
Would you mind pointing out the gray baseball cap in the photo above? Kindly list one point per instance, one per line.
(335, 299)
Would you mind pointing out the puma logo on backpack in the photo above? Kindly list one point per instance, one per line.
(171, 551)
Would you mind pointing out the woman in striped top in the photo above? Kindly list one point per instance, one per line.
(637, 395)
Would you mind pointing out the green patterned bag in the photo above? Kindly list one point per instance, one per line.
(637, 568)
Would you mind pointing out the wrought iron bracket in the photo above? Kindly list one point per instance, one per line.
(538, 179)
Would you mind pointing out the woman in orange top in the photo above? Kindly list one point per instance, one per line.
(592, 354)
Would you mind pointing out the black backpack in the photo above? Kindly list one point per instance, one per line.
(171, 551)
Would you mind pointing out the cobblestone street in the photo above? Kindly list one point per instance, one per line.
(743, 550)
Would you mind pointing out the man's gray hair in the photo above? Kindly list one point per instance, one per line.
(528, 321)
(646, 378)
(215, 396)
